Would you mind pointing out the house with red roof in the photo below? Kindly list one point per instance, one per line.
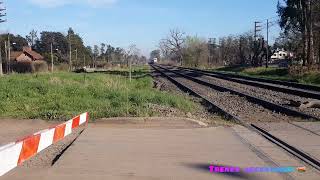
(27, 54)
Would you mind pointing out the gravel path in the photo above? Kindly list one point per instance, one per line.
(269, 95)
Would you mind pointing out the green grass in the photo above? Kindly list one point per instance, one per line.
(274, 73)
(311, 78)
(60, 96)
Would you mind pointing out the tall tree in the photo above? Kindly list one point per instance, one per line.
(110, 52)
(196, 51)
(155, 54)
(131, 55)
(17, 41)
(96, 50)
(95, 54)
(119, 54)
(174, 44)
(59, 41)
(32, 37)
(297, 16)
(103, 51)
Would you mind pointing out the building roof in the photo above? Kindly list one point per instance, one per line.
(27, 51)
(15, 54)
(33, 54)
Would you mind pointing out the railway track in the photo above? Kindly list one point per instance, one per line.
(175, 78)
(256, 100)
(281, 98)
(304, 90)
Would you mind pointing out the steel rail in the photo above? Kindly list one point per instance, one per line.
(274, 87)
(256, 100)
(275, 82)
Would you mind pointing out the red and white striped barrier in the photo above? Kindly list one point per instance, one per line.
(14, 154)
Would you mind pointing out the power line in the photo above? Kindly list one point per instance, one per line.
(269, 24)
(269, 19)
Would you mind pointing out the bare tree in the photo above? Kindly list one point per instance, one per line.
(174, 44)
(32, 37)
(165, 50)
(131, 54)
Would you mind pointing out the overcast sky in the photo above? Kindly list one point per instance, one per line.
(141, 22)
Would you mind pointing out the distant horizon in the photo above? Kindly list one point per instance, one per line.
(124, 22)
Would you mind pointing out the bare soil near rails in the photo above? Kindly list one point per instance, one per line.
(236, 105)
(201, 113)
(280, 98)
(14, 129)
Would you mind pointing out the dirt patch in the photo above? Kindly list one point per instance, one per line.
(14, 129)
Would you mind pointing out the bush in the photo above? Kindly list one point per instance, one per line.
(39, 66)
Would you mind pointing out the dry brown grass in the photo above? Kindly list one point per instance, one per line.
(27, 66)
(39, 66)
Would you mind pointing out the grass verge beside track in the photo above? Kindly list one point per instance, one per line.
(61, 95)
(274, 74)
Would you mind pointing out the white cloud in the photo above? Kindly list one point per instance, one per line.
(56, 3)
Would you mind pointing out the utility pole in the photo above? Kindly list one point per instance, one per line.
(51, 48)
(70, 54)
(130, 66)
(76, 55)
(1, 70)
(6, 53)
(52, 57)
(1, 21)
(267, 59)
(211, 50)
(9, 53)
(257, 29)
(84, 60)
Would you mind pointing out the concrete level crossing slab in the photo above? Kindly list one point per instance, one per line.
(133, 153)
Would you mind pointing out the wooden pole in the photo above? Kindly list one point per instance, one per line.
(6, 58)
(51, 57)
(1, 70)
(267, 59)
(70, 54)
(9, 53)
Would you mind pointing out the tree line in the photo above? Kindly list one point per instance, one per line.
(300, 23)
(300, 20)
(197, 51)
(69, 48)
